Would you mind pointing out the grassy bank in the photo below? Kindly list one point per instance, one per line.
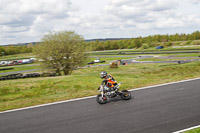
(20, 68)
(197, 130)
(17, 56)
(167, 59)
(84, 82)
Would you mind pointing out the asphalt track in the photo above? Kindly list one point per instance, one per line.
(160, 109)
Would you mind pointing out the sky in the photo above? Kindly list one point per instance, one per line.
(23, 21)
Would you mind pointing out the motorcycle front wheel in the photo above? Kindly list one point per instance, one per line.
(125, 95)
(101, 100)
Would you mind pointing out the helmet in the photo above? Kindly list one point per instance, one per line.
(103, 74)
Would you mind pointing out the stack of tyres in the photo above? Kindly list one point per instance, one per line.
(19, 75)
(3, 78)
(11, 76)
(29, 75)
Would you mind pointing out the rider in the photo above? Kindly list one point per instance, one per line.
(109, 81)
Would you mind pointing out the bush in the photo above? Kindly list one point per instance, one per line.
(169, 44)
(145, 45)
(196, 43)
(177, 43)
(188, 42)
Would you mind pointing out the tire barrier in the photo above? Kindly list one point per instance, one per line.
(27, 75)
(11, 76)
(3, 69)
(19, 76)
(30, 75)
(48, 74)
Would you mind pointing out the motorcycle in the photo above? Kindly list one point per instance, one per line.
(108, 93)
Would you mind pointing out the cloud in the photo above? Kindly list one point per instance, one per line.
(194, 1)
(145, 14)
(26, 21)
(134, 8)
(32, 18)
(150, 14)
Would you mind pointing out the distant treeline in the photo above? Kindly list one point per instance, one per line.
(144, 42)
(123, 43)
(10, 50)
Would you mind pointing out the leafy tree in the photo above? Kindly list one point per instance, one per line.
(2, 49)
(168, 43)
(145, 46)
(115, 46)
(152, 41)
(137, 43)
(63, 51)
(120, 44)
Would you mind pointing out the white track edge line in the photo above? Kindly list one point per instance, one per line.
(42, 105)
(77, 99)
(184, 130)
(142, 88)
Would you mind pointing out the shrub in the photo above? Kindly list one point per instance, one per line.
(145, 45)
(188, 42)
(196, 42)
(169, 44)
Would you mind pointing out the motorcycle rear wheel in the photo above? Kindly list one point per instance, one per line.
(125, 95)
(101, 100)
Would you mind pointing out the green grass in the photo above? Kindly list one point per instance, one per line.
(159, 59)
(26, 67)
(196, 130)
(84, 82)
(108, 56)
(189, 55)
(16, 56)
(19, 68)
(151, 59)
(111, 58)
(151, 49)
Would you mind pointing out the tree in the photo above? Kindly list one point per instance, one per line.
(137, 43)
(63, 51)
(145, 45)
(2, 50)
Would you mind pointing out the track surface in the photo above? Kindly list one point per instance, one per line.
(162, 109)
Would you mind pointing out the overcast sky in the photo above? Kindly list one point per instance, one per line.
(29, 20)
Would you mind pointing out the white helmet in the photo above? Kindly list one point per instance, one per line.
(103, 74)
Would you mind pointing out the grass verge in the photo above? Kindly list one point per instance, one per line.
(17, 56)
(20, 68)
(196, 130)
(84, 82)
